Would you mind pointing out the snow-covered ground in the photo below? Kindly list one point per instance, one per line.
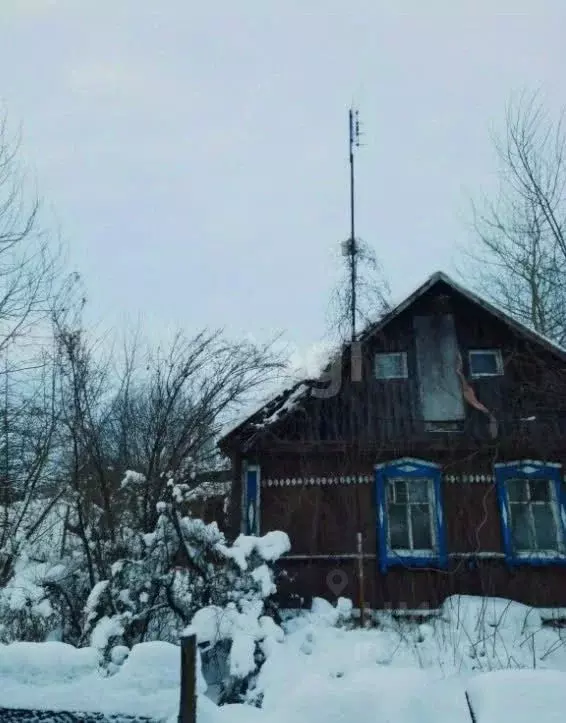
(411, 672)
(56, 676)
(494, 656)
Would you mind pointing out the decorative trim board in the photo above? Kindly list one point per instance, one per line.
(363, 479)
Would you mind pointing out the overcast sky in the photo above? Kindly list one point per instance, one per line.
(194, 155)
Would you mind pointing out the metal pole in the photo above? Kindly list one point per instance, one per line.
(353, 140)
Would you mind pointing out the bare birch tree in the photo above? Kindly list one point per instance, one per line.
(519, 253)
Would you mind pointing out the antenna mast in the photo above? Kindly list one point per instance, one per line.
(351, 244)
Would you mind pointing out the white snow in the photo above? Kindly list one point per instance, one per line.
(118, 654)
(263, 576)
(43, 664)
(133, 478)
(322, 670)
(520, 696)
(211, 624)
(273, 545)
(310, 362)
(93, 599)
(106, 629)
(56, 676)
(269, 547)
(368, 696)
(406, 671)
(242, 653)
(25, 586)
(287, 405)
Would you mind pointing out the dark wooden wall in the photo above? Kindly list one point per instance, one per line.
(412, 589)
(324, 521)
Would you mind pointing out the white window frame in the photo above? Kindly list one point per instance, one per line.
(412, 551)
(402, 355)
(498, 363)
(554, 507)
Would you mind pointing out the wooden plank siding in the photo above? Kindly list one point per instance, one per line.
(414, 588)
(323, 522)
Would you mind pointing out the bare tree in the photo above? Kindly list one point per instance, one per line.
(28, 416)
(373, 295)
(165, 420)
(27, 259)
(158, 414)
(519, 253)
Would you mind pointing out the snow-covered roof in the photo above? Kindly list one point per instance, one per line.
(274, 410)
(278, 407)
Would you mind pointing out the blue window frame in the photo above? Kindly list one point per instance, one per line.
(410, 519)
(251, 516)
(532, 507)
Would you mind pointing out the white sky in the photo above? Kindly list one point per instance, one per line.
(194, 155)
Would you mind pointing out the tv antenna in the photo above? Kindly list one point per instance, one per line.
(350, 247)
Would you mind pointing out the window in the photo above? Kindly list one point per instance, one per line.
(485, 363)
(251, 507)
(410, 525)
(531, 503)
(391, 365)
(533, 521)
(409, 514)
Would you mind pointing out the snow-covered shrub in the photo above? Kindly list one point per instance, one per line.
(111, 595)
(238, 626)
(26, 612)
(182, 569)
(30, 567)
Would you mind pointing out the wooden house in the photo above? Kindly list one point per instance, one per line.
(438, 439)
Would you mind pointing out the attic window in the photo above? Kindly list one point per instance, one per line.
(485, 363)
(391, 365)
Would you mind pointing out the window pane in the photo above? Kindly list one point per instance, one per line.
(398, 530)
(400, 491)
(540, 490)
(418, 490)
(545, 527)
(484, 362)
(420, 518)
(517, 490)
(520, 527)
(391, 366)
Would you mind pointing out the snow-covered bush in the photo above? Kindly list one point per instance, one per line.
(239, 625)
(148, 586)
(182, 567)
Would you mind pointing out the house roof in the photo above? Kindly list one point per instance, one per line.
(280, 405)
(440, 276)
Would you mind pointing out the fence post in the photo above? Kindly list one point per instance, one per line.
(361, 583)
(188, 703)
